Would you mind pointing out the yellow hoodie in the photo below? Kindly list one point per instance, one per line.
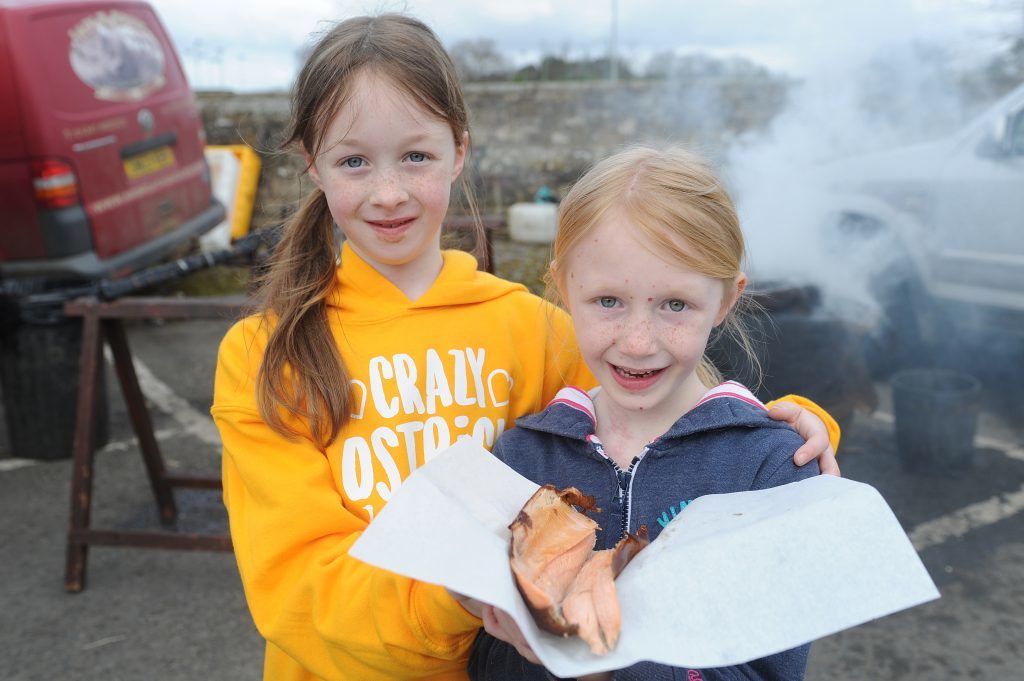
(464, 360)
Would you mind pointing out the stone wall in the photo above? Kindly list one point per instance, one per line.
(525, 135)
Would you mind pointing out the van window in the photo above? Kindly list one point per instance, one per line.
(109, 56)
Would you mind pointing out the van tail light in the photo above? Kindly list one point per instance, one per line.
(54, 184)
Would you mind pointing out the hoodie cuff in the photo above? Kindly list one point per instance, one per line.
(450, 623)
(830, 423)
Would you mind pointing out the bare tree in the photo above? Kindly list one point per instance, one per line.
(479, 60)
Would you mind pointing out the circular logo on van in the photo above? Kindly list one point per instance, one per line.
(146, 120)
(117, 55)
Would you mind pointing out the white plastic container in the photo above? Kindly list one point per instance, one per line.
(224, 172)
(533, 222)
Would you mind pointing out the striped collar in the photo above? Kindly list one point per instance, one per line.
(731, 389)
(583, 401)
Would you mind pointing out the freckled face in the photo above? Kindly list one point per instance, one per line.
(387, 168)
(642, 322)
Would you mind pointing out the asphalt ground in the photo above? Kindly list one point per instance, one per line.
(170, 615)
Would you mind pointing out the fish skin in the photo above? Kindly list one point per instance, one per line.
(568, 587)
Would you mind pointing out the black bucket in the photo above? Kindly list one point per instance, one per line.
(40, 353)
(936, 418)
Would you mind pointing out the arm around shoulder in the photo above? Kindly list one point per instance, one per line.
(831, 425)
(815, 425)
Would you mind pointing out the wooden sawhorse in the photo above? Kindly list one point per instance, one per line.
(104, 321)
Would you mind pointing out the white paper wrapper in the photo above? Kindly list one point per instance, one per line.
(733, 578)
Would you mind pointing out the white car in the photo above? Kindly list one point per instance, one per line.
(945, 222)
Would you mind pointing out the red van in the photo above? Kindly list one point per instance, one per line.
(101, 142)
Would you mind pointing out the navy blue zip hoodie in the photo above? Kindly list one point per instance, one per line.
(727, 443)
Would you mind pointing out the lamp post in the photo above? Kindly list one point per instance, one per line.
(613, 62)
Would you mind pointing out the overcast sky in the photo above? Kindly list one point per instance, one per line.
(251, 44)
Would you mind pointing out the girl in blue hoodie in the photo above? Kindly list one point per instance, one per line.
(647, 260)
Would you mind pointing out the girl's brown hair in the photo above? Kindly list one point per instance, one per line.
(676, 200)
(302, 372)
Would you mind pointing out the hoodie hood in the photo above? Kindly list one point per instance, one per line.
(363, 292)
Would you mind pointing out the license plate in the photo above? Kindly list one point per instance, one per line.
(148, 162)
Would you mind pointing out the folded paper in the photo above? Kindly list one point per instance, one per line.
(734, 577)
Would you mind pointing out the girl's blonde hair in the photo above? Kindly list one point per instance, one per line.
(302, 372)
(676, 201)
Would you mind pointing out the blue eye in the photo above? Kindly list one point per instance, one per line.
(353, 162)
(417, 157)
(676, 305)
(606, 301)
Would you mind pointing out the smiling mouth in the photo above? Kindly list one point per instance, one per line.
(391, 224)
(635, 373)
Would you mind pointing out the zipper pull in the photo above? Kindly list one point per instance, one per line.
(623, 478)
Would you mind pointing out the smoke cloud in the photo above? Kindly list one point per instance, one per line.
(874, 80)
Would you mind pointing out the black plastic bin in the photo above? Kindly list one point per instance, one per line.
(936, 413)
(39, 360)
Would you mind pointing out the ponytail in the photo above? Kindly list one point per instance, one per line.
(302, 373)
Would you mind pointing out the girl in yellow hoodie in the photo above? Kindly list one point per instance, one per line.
(368, 359)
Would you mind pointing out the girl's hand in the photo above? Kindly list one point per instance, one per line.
(498, 624)
(812, 429)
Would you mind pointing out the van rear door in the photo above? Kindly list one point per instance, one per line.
(116, 106)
